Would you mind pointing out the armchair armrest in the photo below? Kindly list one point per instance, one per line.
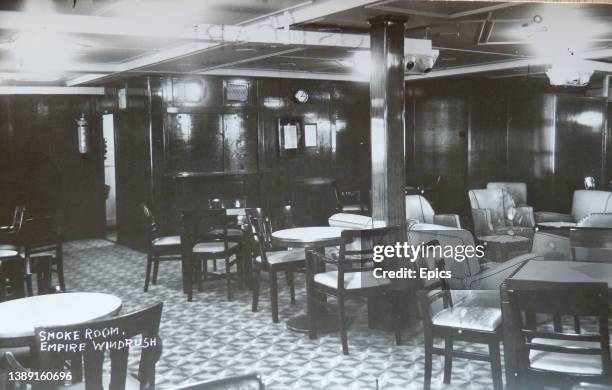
(483, 225)
(450, 220)
(524, 217)
(550, 216)
(597, 220)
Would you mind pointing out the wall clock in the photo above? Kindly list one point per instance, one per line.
(300, 96)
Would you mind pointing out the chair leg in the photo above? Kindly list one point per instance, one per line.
(274, 294)
(59, 264)
(201, 264)
(577, 324)
(155, 270)
(448, 359)
(496, 370)
(291, 283)
(371, 311)
(428, 362)
(188, 278)
(256, 277)
(148, 272)
(228, 278)
(343, 335)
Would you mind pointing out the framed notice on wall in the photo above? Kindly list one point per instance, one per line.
(290, 137)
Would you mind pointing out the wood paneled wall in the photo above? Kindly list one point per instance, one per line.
(473, 132)
(40, 164)
(218, 148)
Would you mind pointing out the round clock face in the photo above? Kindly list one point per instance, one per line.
(301, 96)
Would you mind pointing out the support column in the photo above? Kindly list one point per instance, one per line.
(387, 111)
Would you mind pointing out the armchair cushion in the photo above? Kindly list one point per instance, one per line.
(523, 216)
(550, 216)
(596, 220)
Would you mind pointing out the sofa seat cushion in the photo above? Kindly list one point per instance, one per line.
(288, 256)
(469, 317)
(167, 240)
(566, 362)
(353, 280)
(212, 247)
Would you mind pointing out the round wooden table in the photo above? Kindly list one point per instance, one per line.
(313, 237)
(21, 316)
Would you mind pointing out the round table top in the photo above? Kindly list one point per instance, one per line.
(8, 253)
(557, 225)
(21, 316)
(308, 237)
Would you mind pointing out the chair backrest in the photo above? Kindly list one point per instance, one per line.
(116, 335)
(498, 201)
(357, 249)
(419, 209)
(258, 242)
(517, 190)
(263, 228)
(528, 298)
(18, 217)
(42, 234)
(591, 244)
(587, 202)
(150, 224)
(241, 382)
(198, 226)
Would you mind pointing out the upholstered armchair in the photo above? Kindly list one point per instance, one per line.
(589, 209)
(495, 213)
(418, 209)
(518, 191)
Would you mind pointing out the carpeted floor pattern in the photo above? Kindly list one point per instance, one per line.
(212, 338)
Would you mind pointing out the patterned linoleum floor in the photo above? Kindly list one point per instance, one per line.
(211, 338)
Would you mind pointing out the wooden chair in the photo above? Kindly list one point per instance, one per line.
(268, 260)
(236, 219)
(591, 244)
(204, 238)
(43, 235)
(462, 323)
(353, 276)
(10, 235)
(547, 357)
(138, 329)
(159, 248)
(242, 382)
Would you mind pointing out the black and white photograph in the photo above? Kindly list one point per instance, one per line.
(305, 195)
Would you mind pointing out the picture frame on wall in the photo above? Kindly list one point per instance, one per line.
(290, 137)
